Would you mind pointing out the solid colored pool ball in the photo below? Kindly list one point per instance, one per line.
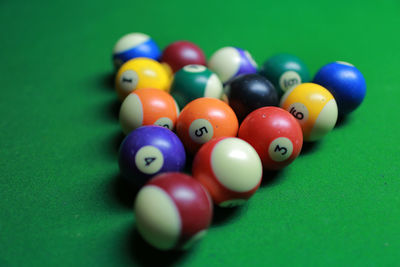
(229, 62)
(249, 92)
(182, 53)
(285, 71)
(230, 169)
(195, 81)
(147, 107)
(173, 211)
(205, 118)
(140, 73)
(150, 150)
(345, 82)
(134, 45)
(275, 134)
(314, 107)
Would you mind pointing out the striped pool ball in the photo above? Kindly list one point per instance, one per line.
(275, 134)
(203, 119)
(148, 151)
(314, 107)
(134, 45)
(181, 53)
(195, 81)
(147, 107)
(285, 71)
(140, 73)
(345, 82)
(173, 211)
(230, 169)
(229, 62)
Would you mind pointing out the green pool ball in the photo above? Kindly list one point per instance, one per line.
(285, 71)
(195, 81)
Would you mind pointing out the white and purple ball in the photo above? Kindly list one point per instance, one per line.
(229, 62)
(134, 45)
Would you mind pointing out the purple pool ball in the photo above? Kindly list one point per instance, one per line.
(148, 151)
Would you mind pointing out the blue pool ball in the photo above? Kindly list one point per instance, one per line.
(345, 82)
(150, 150)
(134, 45)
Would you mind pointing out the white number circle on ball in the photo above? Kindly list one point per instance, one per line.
(164, 122)
(289, 79)
(149, 159)
(280, 149)
(299, 111)
(128, 80)
(201, 131)
(194, 68)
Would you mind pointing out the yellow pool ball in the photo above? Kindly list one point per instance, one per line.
(141, 73)
(314, 107)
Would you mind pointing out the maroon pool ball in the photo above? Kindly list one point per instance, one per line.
(182, 53)
(173, 210)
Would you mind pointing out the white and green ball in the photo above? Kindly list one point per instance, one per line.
(195, 81)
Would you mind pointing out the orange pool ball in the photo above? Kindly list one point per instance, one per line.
(148, 106)
(203, 119)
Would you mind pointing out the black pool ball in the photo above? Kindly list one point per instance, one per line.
(249, 92)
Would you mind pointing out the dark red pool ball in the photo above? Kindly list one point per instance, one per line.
(182, 53)
(173, 210)
(275, 134)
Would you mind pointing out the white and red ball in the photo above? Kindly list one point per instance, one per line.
(172, 211)
(229, 168)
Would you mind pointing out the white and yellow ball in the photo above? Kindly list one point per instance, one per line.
(314, 107)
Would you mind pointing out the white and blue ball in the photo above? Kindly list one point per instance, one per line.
(134, 45)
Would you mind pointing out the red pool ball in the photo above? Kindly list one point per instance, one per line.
(203, 119)
(173, 210)
(230, 169)
(275, 134)
(182, 53)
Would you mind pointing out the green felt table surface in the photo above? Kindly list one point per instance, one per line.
(62, 202)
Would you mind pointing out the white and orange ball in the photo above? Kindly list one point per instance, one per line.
(148, 107)
(140, 73)
(173, 211)
(229, 62)
(314, 107)
(230, 169)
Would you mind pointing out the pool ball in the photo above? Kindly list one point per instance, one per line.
(313, 107)
(285, 71)
(249, 92)
(150, 150)
(148, 106)
(134, 45)
(230, 169)
(205, 118)
(140, 73)
(173, 211)
(195, 81)
(345, 82)
(275, 134)
(229, 62)
(182, 53)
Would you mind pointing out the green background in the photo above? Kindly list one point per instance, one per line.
(62, 201)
